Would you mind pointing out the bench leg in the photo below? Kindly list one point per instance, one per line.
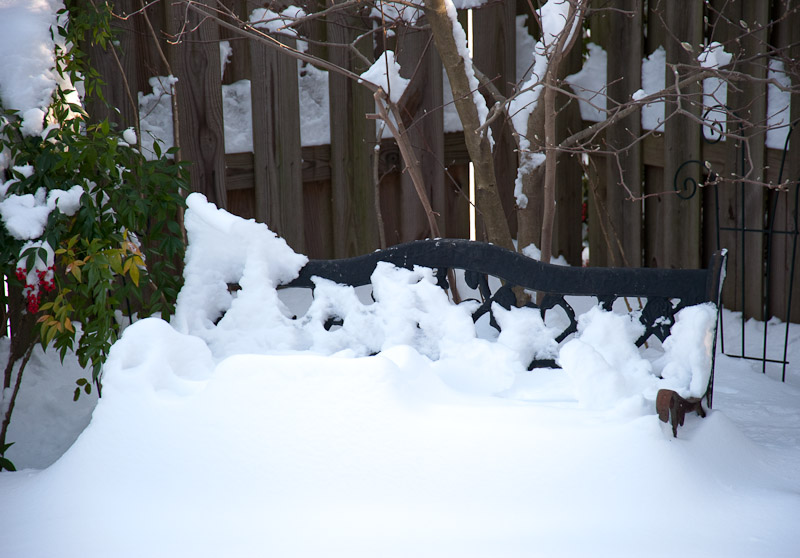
(672, 407)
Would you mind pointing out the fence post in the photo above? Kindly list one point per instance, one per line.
(783, 248)
(568, 233)
(277, 153)
(355, 228)
(238, 66)
(742, 205)
(115, 76)
(195, 61)
(675, 239)
(624, 164)
(494, 33)
(423, 117)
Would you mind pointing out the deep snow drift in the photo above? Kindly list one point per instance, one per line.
(256, 434)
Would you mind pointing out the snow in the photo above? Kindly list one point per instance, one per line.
(653, 81)
(225, 53)
(155, 109)
(713, 57)
(237, 114)
(27, 75)
(244, 428)
(385, 73)
(155, 114)
(553, 17)
(460, 38)
(25, 215)
(778, 101)
(224, 437)
(589, 84)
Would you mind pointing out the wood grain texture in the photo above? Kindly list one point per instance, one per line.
(624, 169)
(277, 154)
(355, 229)
(420, 107)
(678, 242)
(494, 32)
(195, 61)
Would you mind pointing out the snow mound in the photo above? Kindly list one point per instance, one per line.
(220, 434)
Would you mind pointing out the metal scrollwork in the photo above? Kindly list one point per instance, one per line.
(687, 188)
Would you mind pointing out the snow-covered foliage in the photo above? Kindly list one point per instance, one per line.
(80, 208)
(27, 65)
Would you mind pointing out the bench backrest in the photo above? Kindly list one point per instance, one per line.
(666, 291)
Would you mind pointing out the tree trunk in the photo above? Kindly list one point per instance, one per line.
(478, 144)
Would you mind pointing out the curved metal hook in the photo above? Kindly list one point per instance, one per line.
(689, 186)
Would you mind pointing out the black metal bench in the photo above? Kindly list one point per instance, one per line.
(667, 291)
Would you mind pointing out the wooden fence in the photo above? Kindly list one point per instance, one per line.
(322, 199)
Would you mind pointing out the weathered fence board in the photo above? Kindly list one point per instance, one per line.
(494, 32)
(276, 142)
(420, 107)
(355, 227)
(195, 61)
(677, 235)
(325, 195)
(568, 234)
(784, 246)
(624, 78)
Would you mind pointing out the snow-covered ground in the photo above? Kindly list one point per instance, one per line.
(228, 437)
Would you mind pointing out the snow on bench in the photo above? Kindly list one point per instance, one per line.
(624, 338)
(669, 294)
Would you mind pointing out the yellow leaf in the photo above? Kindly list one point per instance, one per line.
(76, 272)
(127, 266)
(68, 325)
(116, 262)
(50, 334)
(134, 273)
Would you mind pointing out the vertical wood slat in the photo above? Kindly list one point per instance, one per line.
(419, 106)
(277, 152)
(318, 220)
(568, 233)
(125, 113)
(623, 75)
(195, 61)
(677, 241)
(238, 66)
(352, 141)
(742, 204)
(599, 236)
(753, 107)
(494, 32)
(783, 246)
(597, 216)
(148, 62)
(725, 16)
